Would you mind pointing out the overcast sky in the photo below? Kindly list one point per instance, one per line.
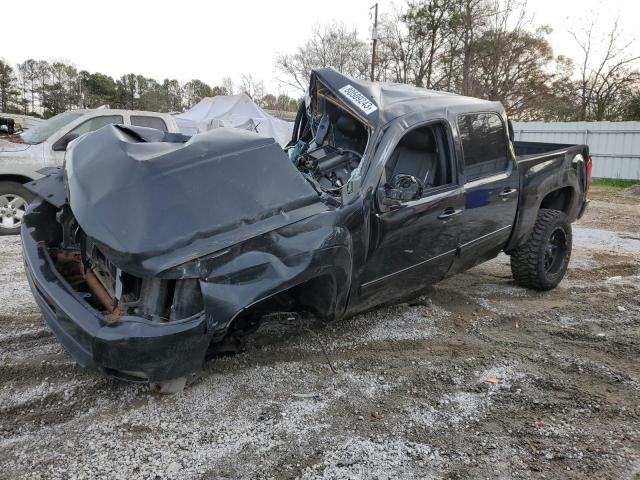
(212, 39)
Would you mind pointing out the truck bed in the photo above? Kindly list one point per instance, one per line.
(526, 150)
(543, 168)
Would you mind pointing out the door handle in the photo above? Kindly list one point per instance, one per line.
(448, 213)
(507, 192)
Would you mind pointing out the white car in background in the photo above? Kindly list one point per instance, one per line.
(44, 147)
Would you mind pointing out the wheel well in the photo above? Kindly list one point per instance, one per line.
(316, 296)
(15, 178)
(558, 199)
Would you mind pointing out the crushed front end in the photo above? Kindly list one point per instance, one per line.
(150, 335)
(147, 245)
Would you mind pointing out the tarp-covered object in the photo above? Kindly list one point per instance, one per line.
(156, 199)
(237, 111)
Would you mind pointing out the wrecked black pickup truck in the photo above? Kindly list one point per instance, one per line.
(151, 250)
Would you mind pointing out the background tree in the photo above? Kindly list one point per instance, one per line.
(50, 87)
(561, 102)
(97, 89)
(8, 90)
(252, 87)
(632, 107)
(469, 17)
(194, 91)
(23, 86)
(61, 88)
(269, 101)
(605, 76)
(484, 48)
(418, 39)
(511, 61)
(28, 78)
(333, 45)
(285, 103)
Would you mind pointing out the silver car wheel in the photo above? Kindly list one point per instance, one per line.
(12, 209)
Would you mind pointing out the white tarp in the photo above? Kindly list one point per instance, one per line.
(237, 111)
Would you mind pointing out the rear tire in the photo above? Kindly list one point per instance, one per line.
(14, 199)
(541, 262)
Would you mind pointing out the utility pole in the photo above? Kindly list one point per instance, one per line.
(374, 37)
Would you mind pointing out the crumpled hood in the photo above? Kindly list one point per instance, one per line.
(154, 200)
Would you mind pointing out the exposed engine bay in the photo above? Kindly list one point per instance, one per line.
(330, 140)
(116, 293)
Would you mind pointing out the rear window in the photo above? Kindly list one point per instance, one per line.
(149, 122)
(484, 144)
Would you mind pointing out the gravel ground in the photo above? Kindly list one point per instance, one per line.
(489, 380)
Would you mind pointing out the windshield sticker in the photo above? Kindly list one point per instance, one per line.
(358, 99)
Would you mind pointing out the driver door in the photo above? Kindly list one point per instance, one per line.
(413, 244)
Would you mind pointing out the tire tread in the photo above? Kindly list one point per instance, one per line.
(524, 260)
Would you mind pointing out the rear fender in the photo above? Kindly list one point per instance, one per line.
(538, 182)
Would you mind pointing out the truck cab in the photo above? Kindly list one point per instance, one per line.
(446, 194)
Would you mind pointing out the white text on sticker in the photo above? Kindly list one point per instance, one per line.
(358, 99)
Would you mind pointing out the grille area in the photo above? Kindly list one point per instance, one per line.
(118, 293)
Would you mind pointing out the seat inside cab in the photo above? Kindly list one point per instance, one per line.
(424, 154)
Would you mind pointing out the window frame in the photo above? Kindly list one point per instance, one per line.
(448, 142)
(132, 116)
(508, 158)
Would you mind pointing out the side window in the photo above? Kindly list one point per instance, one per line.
(484, 144)
(424, 154)
(149, 122)
(95, 123)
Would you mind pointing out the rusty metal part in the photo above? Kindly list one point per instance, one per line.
(101, 293)
(115, 315)
(104, 279)
(71, 267)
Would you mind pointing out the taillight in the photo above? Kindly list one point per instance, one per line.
(589, 167)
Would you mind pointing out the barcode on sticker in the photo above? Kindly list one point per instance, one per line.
(358, 99)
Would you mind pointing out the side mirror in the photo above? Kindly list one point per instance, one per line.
(403, 188)
(62, 144)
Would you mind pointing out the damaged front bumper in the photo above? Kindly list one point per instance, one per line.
(132, 347)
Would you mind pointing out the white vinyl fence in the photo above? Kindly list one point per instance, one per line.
(614, 146)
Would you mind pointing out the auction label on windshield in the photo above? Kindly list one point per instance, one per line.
(358, 99)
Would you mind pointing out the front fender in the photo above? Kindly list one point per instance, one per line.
(19, 168)
(274, 263)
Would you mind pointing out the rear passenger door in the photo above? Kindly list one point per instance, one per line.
(491, 187)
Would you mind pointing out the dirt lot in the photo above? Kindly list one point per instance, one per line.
(477, 379)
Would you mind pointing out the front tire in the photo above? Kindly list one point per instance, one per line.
(541, 262)
(14, 199)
